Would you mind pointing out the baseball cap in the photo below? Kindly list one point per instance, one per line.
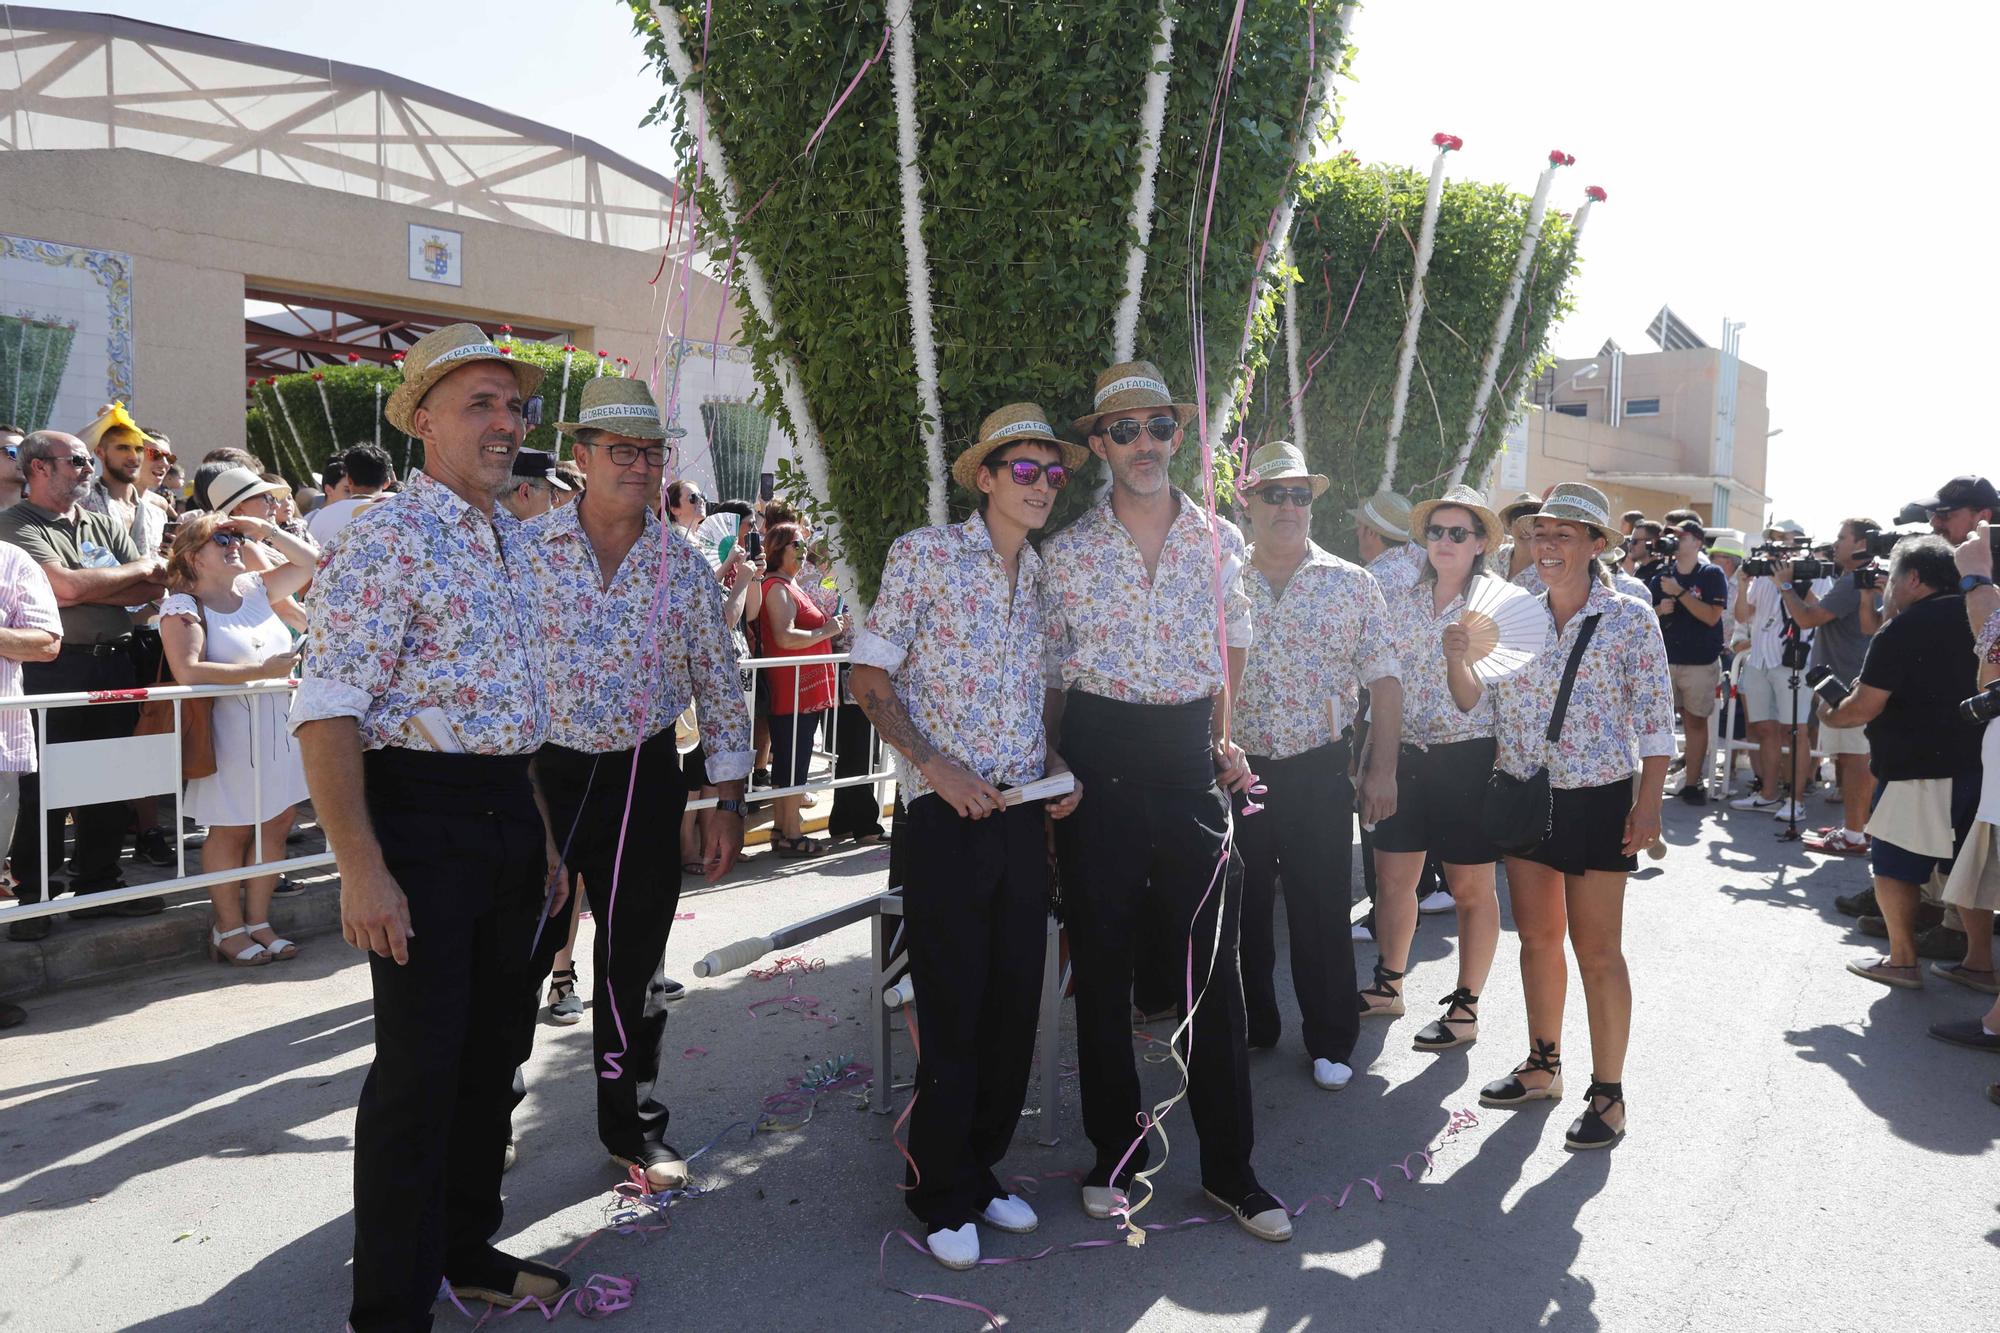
(539, 465)
(1969, 492)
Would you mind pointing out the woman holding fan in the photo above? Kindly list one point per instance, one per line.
(1447, 753)
(1594, 707)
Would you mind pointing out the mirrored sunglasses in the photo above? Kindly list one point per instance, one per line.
(1125, 429)
(227, 539)
(1027, 472)
(1457, 535)
(1300, 496)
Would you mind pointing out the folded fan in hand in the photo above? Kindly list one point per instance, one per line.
(1507, 626)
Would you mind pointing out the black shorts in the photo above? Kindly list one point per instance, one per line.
(1439, 792)
(1587, 830)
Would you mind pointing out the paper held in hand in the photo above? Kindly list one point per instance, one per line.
(1042, 789)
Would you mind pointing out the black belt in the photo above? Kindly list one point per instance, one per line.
(106, 649)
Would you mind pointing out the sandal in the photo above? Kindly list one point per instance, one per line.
(800, 846)
(1442, 1034)
(1511, 1091)
(1889, 974)
(1590, 1130)
(1382, 990)
(278, 946)
(694, 867)
(501, 1279)
(661, 1164)
(1970, 977)
(251, 955)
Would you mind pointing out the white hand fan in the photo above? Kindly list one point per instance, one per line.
(1507, 626)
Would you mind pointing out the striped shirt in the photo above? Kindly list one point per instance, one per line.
(26, 602)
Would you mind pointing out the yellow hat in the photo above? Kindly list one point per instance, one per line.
(111, 417)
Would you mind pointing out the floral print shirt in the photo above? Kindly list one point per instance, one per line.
(1114, 633)
(615, 678)
(1317, 643)
(422, 601)
(1397, 568)
(1416, 633)
(965, 656)
(1620, 711)
(1987, 643)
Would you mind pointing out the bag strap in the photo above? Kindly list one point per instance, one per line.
(1569, 676)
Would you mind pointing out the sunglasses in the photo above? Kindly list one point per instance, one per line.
(695, 501)
(1458, 536)
(81, 462)
(1277, 495)
(1027, 472)
(227, 539)
(159, 453)
(11, 450)
(1125, 429)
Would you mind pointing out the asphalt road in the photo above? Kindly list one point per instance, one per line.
(174, 1149)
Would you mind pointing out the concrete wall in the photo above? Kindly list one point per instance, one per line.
(196, 233)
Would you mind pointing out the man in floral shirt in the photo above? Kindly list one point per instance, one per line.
(948, 667)
(420, 706)
(1142, 656)
(1321, 635)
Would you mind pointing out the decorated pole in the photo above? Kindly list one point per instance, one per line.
(285, 411)
(791, 388)
(1592, 194)
(1294, 393)
(332, 431)
(562, 396)
(1413, 322)
(1489, 372)
(1152, 120)
(916, 256)
(378, 414)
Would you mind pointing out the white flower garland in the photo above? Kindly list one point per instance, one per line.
(1152, 122)
(916, 256)
(1294, 387)
(1531, 239)
(1413, 322)
(804, 433)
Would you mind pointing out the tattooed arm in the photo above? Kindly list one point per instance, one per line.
(963, 791)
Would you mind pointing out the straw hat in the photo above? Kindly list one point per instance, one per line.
(436, 355)
(1011, 425)
(1576, 502)
(112, 416)
(620, 406)
(1518, 508)
(236, 485)
(1386, 512)
(1458, 497)
(1129, 385)
(1281, 460)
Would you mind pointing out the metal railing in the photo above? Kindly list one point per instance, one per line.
(109, 771)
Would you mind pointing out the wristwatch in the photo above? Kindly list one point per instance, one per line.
(1971, 581)
(729, 807)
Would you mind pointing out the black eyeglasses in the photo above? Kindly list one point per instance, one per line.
(1277, 495)
(624, 455)
(1125, 429)
(11, 450)
(1459, 536)
(1026, 472)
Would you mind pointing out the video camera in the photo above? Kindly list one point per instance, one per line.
(1804, 564)
(1882, 545)
(1827, 686)
(1982, 707)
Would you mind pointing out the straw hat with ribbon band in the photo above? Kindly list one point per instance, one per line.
(1458, 497)
(235, 486)
(1576, 502)
(113, 418)
(617, 406)
(439, 353)
(1518, 508)
(1131, 386)
(1011, 425)
(1281, 460)
(1386, 512)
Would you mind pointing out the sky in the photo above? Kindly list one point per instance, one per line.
(1810, 171)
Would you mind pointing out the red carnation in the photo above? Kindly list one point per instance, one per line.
(1557, 157)
(506, 349)
(1595, 192)
(506, 328)
(569, 347)
(352, 357)
(398, 356)
(602, 353)
(253, 381)
(317, 377)
(273, 380)
(1440, 139)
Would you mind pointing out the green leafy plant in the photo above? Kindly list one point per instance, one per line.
(34, 353)
(1029, 127)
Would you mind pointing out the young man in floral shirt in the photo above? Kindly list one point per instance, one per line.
(948, 668)
(1141, 663)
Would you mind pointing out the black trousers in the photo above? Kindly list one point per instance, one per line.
(586, 795)
(857, 810)
(1137, 849)
(1303, 835)
(463, 839)
(100, 829)
(976, 904)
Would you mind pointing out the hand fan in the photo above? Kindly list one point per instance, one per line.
(1507, 626)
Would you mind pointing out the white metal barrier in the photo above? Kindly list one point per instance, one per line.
(102, 772)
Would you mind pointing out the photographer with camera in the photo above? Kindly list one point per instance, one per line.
(1960, 506)
(1924, 758)
(1691, 595)
(1641, 557)
(1843, 619)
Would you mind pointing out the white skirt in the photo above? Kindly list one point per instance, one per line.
(229, 797)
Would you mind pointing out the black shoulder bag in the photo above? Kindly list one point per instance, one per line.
(1516, 814)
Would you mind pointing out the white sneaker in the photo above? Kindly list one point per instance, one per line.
(1756, 800)
(1433, 903)
(1331, 1074)
(1010, 1213)
(1101, 1201)
(1362, 933)
(957, 1248)
(1785, 811)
